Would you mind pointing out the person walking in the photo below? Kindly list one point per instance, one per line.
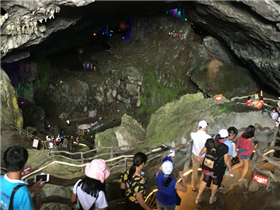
(168, 186)
(245, 149)
(89, 192)
(198, 138)
(223, 137)
(213, 166)
(134, 184)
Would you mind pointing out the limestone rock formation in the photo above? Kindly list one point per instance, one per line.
(30, 22)
(250, 29)
(173, 123)
(214, 76)
(10, 112)
(126, 136)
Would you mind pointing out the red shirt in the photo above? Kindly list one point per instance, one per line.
(244, 144)
(248, 103)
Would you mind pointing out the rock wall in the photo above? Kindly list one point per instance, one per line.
(250, 29)
(10, 112)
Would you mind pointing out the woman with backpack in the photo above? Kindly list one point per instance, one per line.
(168, 186)
(213, 166)
(89, 192)
(134, 184)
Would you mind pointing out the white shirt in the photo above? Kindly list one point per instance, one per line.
(199, 139)
(86, 200)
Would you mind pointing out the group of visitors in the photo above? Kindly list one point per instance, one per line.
(256, 100)
(214, 155)
(56, 141)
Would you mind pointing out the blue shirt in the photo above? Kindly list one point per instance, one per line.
(229, 144)
(166, 195)
(22, 199)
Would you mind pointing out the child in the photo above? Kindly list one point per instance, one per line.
(248, 102)
(274, 115)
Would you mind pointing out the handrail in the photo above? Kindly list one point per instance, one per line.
(124, 159)
(243, 97)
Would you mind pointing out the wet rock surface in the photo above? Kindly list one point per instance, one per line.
(249, 30)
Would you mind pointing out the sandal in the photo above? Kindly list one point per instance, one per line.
(198, 199)
(212, 199)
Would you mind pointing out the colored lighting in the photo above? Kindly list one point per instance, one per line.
(23, 102)
(60, 82)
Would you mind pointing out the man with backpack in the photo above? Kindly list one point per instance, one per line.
(15, 193)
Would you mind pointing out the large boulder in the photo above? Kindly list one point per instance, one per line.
(215, 76)
(125, 136)
(10, 112)
(173, 123)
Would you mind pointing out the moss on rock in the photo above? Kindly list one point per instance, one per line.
(10, 112)
(127, 134)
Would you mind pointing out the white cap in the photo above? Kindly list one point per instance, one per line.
(167, 167)
(202, 124)
(223, 133)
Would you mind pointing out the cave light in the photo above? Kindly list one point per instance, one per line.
(68, 122)
(60, 82)
(23, 102)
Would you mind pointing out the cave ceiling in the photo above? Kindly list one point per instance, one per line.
(250, 29)
(29, 26)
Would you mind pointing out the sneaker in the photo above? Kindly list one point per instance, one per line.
(231, 175)
(198, 200)
(212, 200)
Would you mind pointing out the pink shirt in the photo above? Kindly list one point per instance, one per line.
(244, 144)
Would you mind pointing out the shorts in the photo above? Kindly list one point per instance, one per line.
(243, 157)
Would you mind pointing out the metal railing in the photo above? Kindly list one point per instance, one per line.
(113, 159)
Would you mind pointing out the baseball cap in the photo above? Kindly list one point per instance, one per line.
(223, 133)
(202, 124)
(167, 167)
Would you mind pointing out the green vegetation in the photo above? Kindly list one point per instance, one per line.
(156, 95)
(44, 69)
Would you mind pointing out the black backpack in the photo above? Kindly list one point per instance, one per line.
(209, 161)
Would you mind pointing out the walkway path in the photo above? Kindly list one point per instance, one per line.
(229, 199)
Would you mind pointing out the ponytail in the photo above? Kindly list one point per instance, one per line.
(138, 159)
(131, 172)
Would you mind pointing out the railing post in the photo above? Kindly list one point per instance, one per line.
(52, 154)
(125, 164)
(112, 151)
(82, 160)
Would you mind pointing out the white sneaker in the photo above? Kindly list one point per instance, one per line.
(231, 175)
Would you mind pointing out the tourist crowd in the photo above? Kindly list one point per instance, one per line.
(213, 154)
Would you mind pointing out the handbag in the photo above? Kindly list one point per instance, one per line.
(178, 200)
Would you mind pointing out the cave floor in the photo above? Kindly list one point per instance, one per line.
(235, 195)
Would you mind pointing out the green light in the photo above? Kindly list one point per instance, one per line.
(60, 82)
(186, 19)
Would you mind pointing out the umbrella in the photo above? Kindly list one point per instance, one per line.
(84, 126)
